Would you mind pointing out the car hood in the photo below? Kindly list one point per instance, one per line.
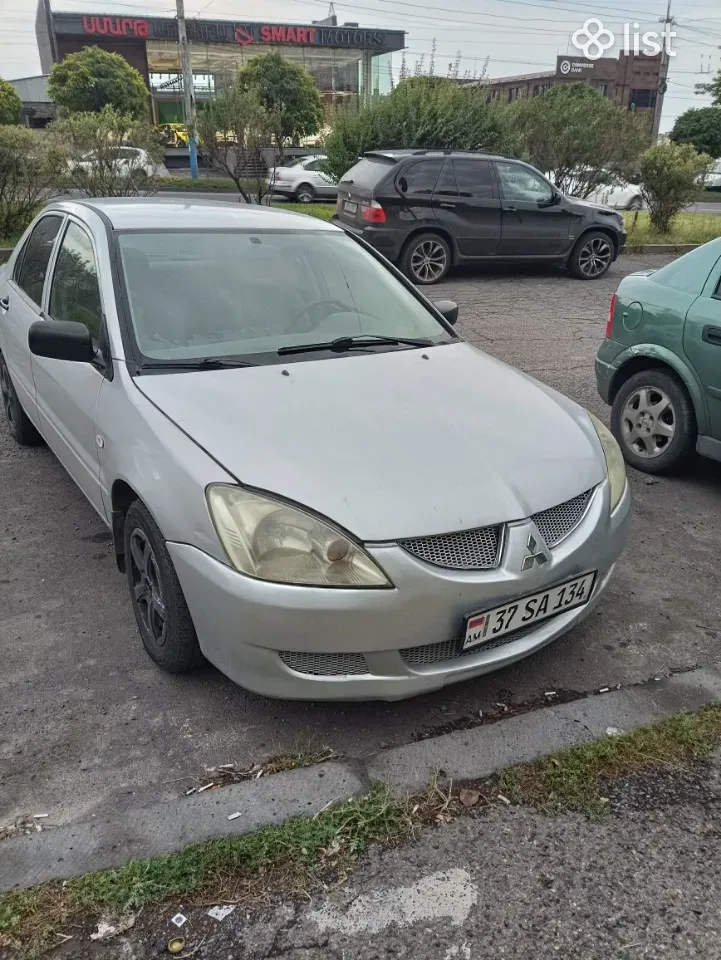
(591, 205)
(391, 445)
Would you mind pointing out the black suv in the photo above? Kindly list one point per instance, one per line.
(427, 210)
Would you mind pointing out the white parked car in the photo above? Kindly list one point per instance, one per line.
(621, 195)
(304, 181)
(125, 160)
(713, 179)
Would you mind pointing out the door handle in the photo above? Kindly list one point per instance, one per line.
(447, 206)
(712, 335)
(511, 209)
(5, 303)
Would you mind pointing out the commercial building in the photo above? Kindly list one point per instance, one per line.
(632, 80)
(346, 61)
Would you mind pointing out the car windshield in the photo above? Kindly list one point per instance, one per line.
(220, 294)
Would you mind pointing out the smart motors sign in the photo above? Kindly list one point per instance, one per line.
(225, 31)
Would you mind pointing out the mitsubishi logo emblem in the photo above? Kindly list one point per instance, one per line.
(534, 554)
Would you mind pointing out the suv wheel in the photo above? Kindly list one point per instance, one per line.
(653, 420)
(19, 424)
(305, 193)
(426, 258)
(592, 256)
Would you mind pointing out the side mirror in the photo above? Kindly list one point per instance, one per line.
(448, 309)
(552, 201)
(61, 340)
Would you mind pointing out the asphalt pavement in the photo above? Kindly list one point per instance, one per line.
(88, 724)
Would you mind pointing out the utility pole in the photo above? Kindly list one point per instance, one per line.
(188, 89)
(668, 22)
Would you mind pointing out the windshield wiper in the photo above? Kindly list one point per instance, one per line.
(206, 363)
(342, 344)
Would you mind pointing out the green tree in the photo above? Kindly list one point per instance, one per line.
(98, 165)
(702, 128)
(580, 138)
(233, 129)
(670, 175)
(30, 165)
(10, 103)
(422, 112)
(713, 89)
(87, 81)
(288, 93)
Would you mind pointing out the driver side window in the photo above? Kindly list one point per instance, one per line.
(520, 183)
(75, 292)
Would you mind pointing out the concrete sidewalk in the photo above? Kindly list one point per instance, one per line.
(465, 754)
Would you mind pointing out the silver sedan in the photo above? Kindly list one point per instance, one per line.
(311, 479)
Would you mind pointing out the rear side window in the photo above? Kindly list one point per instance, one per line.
(75, 293)
(33, 262)
(368, 172)
(419, 179)
(474, 178)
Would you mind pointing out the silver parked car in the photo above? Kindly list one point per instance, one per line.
(304, 181)
(310, 478)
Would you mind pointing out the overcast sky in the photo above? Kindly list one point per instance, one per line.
(513, 36)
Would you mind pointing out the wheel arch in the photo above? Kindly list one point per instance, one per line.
(658, 358)
(432, 228)
(122, 495)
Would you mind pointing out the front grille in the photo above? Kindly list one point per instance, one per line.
(325, 664)
(557, 522)
(477, 549)
(451, 650)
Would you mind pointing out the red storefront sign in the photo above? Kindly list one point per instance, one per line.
(116, 26)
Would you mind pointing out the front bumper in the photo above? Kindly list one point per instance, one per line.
(243, 625)
(385, 240)
(606, 367)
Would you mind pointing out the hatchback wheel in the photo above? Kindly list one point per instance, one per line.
(653, 420)
(162, 614)
(592, 256)
(636, 204)
(305, 193)
(426, 259)
(19, 424)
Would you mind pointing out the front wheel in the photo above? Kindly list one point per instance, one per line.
(305, 193)
(635, 204)
(592, 256)
(654, 422)
(19, 424)
(426, 259)
(161, 612)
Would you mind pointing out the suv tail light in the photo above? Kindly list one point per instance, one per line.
(373, 213)
(611, 311)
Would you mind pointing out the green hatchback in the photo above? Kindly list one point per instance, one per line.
(660, 364)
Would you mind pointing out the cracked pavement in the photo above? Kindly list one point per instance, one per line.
(88, 724)
(644, 882)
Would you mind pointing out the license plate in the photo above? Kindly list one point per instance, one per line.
(492, 624)
(350, 206)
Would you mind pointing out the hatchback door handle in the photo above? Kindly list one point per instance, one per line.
(511, 209)
(712, 335)
(5, 303)
(447, 206)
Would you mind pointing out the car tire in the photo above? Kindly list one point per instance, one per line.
(635, 204)
(642, 448)
(19, 424)
(592, 256)
(305, 193)
(426, 258)
(161, 612)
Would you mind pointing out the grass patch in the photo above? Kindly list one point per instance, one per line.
(575, 779)
(323, 211)
(685, 228)
(203, 184)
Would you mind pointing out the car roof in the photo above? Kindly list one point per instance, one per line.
(161, 213)
(400, 154)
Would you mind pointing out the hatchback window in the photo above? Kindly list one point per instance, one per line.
(419, 179)
(368, 172)
(203, 294)
(75, 293)
(474, 178)
(520, 183)
(33, 262)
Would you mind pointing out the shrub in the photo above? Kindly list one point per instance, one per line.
(670, 176)
(92, 79)
(10, 103)
(30, 165)
(702, 128)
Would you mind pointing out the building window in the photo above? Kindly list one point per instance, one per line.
(514, 93)
(642, 100)
(540, 88)
(602, 89)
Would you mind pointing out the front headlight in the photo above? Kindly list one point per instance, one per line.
(271, 540)
(614, 461)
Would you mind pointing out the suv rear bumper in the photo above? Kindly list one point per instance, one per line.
(387, 241)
